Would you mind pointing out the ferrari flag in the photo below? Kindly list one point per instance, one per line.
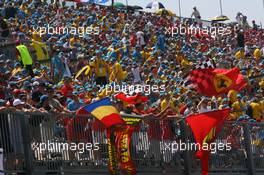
(205, 127)
(213, 82)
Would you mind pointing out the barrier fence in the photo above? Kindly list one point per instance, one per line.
(37, 143)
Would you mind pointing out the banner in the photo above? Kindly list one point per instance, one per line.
(112, 154)
(123, 140)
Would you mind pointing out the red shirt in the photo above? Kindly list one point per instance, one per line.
(67, 90)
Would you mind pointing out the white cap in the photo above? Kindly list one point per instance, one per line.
(36, 83)
(18, 102)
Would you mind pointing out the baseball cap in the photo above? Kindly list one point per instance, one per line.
(35, 83)
(18, 102)
(18, 91)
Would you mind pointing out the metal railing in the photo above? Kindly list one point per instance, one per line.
(35, 143)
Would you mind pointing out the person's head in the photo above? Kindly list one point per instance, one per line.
(67, 81)
(49, 90)
(44, 100)
(119, 105)
(205, 102)
(35, 85)
(239, 97)
(17, 103)
(27, 86)
(41, 86)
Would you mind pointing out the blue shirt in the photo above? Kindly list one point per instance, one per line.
(57, 65)
(74, 106)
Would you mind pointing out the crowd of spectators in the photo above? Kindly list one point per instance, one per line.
(121, 48)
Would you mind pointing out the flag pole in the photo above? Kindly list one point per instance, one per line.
(127, 6)
(221, 7)
(179, 3)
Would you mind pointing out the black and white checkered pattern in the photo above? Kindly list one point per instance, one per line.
(197, 77)
(206, 64)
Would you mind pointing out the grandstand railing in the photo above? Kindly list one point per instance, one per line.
(24, 134)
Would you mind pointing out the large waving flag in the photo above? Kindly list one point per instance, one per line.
(104, 111)
(213, 82)
(205, 127)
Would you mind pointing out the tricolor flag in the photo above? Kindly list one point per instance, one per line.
(213, 82)
(104, 111)
(205, 128)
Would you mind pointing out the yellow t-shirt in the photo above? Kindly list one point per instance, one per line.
(100, 67)
(256, 110)
(257, 54)
(117, 73)
(41, 50)
(145, 55)
(164, 104)
(185, 63)
(237, 106)
(240, 54)
(232, 96)
(73, 41)
(261, 84)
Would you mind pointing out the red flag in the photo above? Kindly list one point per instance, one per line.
(205, 127)
(213, 82)
(123, 143)
(138, 98)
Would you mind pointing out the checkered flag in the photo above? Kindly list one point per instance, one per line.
(199, 79)
(188, 80)
(206, 64)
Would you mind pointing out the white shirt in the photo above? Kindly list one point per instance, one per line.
(202, 109)
(136, 74)
(140, 38)
(196, 13)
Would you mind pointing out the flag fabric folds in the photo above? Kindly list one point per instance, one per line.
(205, 128)
(112, 153)
(138, 98)
(104, 111)
(213, 82)
(123, 144)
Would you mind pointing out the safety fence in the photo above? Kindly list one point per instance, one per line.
(37, 143)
